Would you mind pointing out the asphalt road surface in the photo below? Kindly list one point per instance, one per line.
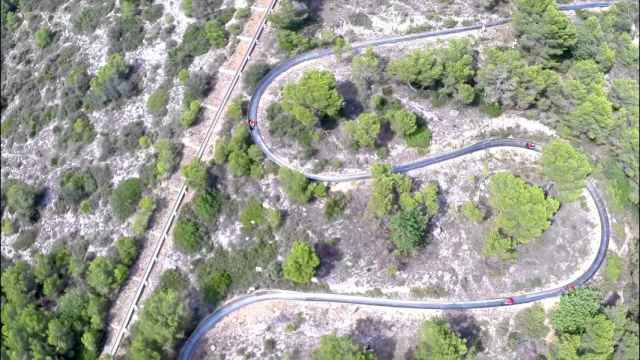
(229, 307)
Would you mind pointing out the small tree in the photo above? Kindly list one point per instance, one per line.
(364, 130)
(298, 187)
(522, 210)
(313, 97)
(196, 175)
(44, 37)
(333, 347)
(255, 72)
(207, 205)
(186, 235)
(575, 310)
(567, 167)
(438, 341)
(125, 198)
(407, 230)
(530, 322)
(301, 263)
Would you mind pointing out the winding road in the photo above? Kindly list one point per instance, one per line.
(229, 307)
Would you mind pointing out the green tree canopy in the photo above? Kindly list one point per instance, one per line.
(196, 174)
(187, 235)
(388, 187)
(567, 167)
(544, 33)
(364, 130)
(298, 187)
(291, 15)
(506, 79)
(301, 263)
(366, 70)
(522, 210)
(333, 347)
(575, 310)
(313, 97)
(125, 198)
(408, 229)
(438, 341)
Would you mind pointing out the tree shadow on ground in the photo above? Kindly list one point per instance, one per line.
(467, 327)
(352, 105)
(370, 332)
(329, 254)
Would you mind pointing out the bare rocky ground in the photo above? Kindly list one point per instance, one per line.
(291, 330)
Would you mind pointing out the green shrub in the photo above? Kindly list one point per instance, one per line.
(438, 341)
(125, 198)
(215, 287)
(187, 236)
(613, 268)
(298, 187)
(254, 217)
(26, 238)
(111, 82)
(127, 249)
(77, 185)
(157, 102)
(492, 109)
(7, 227)
(146, 207)
(499, 246)
(420, 139)
(206, 205)
(340, 347)
(216, 34)
(530, 322)
(196, 175)
(364, 130)
(190, 114)
(335, 205)
(300, 264)
(104, 275)
(472, 212)
(21, 199)
(575, 310)
(408, 229)
(167, 158)
(44, 37)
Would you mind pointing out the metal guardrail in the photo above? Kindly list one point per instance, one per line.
(183, 189)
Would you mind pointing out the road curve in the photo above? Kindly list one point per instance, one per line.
(235, 304)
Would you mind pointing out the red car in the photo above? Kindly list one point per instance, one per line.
(531, 146)
(509, 301)
(570, 287)
(252, 123)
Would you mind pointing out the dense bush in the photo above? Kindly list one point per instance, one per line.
(112, 81)
(387, 189)
(125, 198)
(127, 34)
(206, 205)
(300, 264)
(472, 212)
(157, 102)
(283, 124)
(162, 323)
(167, 158)
(364, 130)
(522, 211)
(566, 167)
(291, 15)
(88, 19)
(298, 187)
(312, 98)
(340, 347)
(141, 218)
(252, 76)
(76, 185)
(105, 275)
(408, 230)
(190, 114)
(43, 37)
(544, 33)
(196, 174)
(335, 205)
(438, 341)
(242, 157)
(448, 70)
(20, 199)
(259, 220)
(187, 235)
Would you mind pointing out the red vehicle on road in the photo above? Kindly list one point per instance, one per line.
(531, 146)
(569, 288)
(509, 301)
(252, 123)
